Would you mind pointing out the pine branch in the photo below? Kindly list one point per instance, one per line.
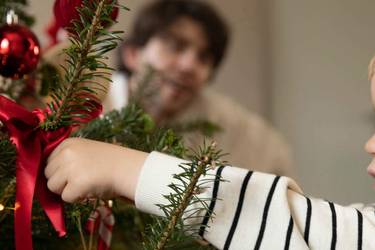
(133, 128)
(73, 100)
(177, 213)
(77, 70)
(184, 204)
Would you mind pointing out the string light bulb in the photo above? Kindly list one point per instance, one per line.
(110, 203)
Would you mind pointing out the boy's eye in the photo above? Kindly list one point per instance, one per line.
(205, 57)
(173, 42)
(176, 44)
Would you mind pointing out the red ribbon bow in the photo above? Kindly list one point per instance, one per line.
(33, 147)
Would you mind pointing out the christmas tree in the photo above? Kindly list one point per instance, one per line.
(27, 138)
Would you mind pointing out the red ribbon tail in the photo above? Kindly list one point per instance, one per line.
(26, 175)
(52, 205)
(22, 218)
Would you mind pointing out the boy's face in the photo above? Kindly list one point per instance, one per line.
(182, 63)
(370, 145)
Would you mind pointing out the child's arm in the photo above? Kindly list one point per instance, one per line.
(252, 210)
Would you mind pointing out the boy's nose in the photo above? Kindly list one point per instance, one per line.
(370, 145)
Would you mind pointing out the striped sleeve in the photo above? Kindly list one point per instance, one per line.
(260, 211)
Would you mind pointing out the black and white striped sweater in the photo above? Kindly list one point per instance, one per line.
(262, 211)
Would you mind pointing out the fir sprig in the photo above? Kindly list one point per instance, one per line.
(185, 208)
(133, 128)
(85, 66)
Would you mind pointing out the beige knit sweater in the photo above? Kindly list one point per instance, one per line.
(251, 142)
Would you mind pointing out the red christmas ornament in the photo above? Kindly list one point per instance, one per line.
(66, 11)
(19, 51)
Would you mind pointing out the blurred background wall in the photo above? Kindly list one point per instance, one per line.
(320, 94)
(302, 65)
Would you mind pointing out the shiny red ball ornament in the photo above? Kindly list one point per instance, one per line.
(65, 12)
(19, 51)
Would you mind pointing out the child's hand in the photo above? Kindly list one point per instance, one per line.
(80, 168)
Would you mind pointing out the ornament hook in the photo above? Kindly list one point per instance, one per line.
(11, 17)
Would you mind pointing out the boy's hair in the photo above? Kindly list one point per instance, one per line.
(155, 18)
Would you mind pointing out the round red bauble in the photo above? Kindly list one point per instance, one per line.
(19, 51)
(66, 11)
